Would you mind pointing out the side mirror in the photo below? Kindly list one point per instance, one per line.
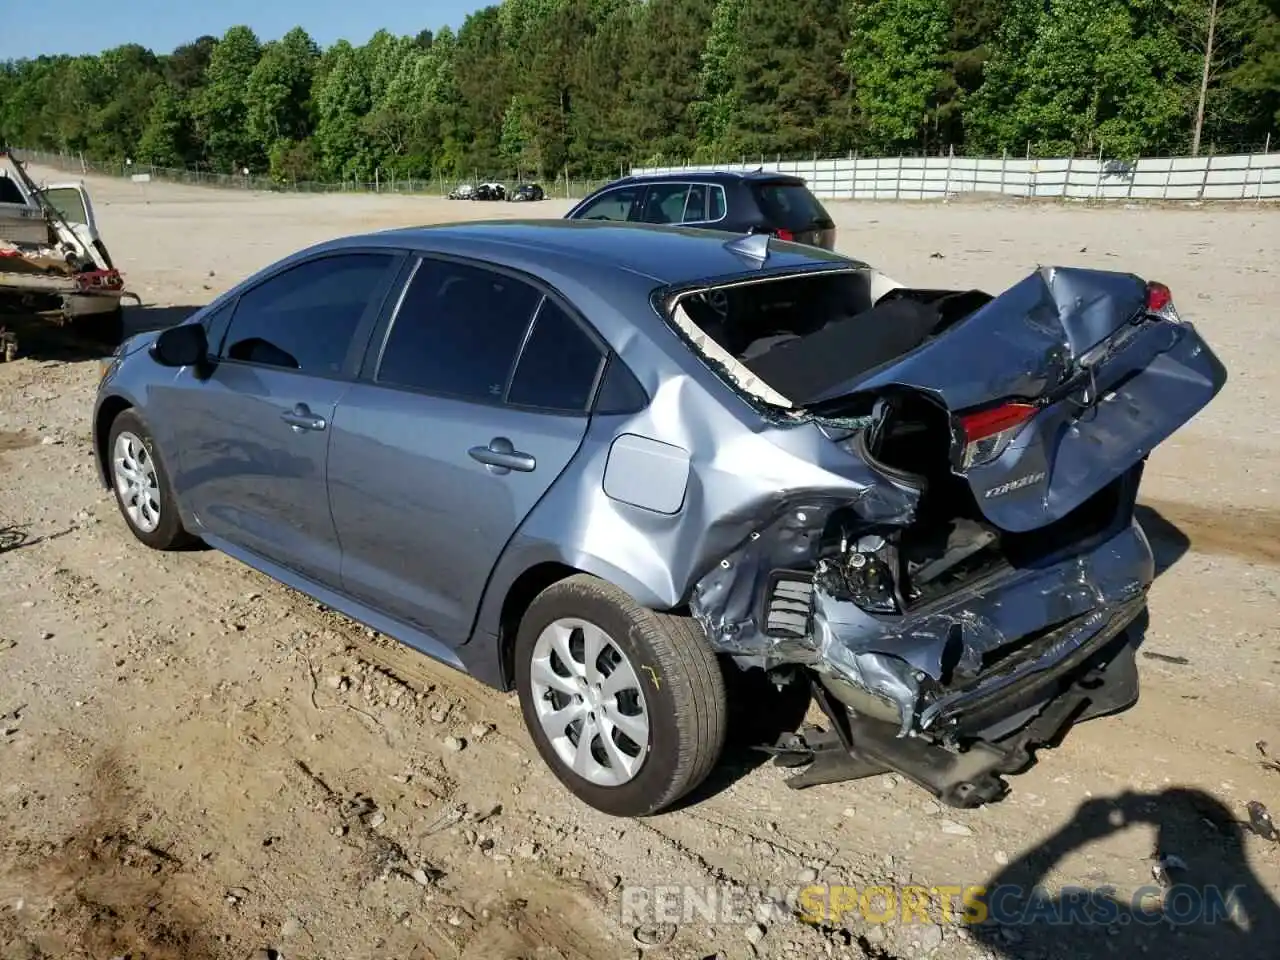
(185, 345)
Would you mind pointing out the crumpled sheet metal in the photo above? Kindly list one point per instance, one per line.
(1024, 342)
(907, 661)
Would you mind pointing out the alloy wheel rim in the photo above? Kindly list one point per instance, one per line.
(589, 702)
(137, 485)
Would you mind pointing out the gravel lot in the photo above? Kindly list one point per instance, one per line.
(197, 763)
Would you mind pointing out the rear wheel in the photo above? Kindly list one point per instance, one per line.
(627, 706)
(141, 485)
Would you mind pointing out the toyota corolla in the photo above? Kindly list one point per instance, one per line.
(610, 464)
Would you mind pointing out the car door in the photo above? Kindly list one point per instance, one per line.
(253, 432)
(475, 401)
(72, 203)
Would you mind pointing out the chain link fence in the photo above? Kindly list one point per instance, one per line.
(566, 188)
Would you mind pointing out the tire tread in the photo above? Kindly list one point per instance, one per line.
(688, 666)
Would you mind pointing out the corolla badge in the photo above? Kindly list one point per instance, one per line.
(1012, 485)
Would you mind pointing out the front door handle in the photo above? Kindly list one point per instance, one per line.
(301, 418)
(501, 457)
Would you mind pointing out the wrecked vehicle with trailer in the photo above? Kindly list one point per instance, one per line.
(53, 262)
(972, 580)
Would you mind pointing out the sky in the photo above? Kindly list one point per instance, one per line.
(73, 26)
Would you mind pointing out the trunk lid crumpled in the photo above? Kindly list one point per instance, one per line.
(1099, 369)
(1108, 380)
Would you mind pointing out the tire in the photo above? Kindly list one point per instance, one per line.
(167, 533)
(678, 676)
(104, 329)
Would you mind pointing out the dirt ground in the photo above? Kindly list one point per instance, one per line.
(197, 763)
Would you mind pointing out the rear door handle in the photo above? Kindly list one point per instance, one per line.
(301, 418)
(501, 457)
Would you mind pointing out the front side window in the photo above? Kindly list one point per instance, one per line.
(458, 331)
(305, 318)
(614, 205)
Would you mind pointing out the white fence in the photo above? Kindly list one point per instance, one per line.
(1252, 176)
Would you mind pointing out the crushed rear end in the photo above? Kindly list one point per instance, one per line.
(971, 578)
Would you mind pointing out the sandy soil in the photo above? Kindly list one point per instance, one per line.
(197, 763)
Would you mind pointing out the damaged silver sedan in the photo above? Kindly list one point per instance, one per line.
(614, 465)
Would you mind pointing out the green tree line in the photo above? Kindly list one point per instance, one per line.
(580, 87)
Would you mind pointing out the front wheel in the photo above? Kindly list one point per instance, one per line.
(627, 706)
(141, 485)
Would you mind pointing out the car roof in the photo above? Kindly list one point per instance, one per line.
(670, 256)
(709, 176)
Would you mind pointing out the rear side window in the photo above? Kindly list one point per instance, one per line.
(705, 203)
(559, 365)
(458, 331)
(614, 205)
(790, 205)
(305, 318)
(716, 207)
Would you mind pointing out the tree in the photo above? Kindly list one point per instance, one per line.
(163, 141)
(975, 25)
(599, 139)
(1210, 29)
(517, 146)
(277, 96)
(220, 110)
(342, 101)
(660, 82)
(1082, 76)
(185, 69)
(1254, 85)
(717, 109)
(789, 87)
(587, 87)
(896, 59)
(481, 71)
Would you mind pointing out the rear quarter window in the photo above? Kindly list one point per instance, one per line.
(790, 205)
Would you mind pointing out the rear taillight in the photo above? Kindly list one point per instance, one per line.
(784, 234)
(987, 433)
(1160, 301)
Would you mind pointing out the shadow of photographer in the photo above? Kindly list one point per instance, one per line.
(1206, 901)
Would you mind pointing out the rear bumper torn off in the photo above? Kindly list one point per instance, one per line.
(982, 661)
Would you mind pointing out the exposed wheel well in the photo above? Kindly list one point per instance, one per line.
(111, 408)
(527, 586)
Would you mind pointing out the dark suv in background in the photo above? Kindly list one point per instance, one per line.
(758, 202)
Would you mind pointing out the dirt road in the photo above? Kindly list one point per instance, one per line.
(196, 763)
